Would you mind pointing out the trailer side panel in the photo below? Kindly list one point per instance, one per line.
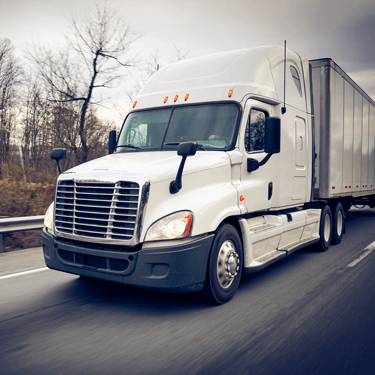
(344, 135)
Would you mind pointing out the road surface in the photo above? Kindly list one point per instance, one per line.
(311, 313)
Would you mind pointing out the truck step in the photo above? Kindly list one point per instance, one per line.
(291, 248)
(264, 261)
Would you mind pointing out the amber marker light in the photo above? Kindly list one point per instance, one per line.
(230, 93)
(186, 97)
(165, 99)
(134, 104)
(242, 198)
(175, 98)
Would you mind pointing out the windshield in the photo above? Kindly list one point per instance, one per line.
(212, 126)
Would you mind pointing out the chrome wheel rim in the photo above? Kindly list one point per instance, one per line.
(228, 264)
(327, 228)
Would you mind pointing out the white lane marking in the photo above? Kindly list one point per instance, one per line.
(371, 246)
(23, 273)
(364, 255)
(368, 250)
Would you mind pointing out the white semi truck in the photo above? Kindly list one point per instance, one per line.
(226, 164)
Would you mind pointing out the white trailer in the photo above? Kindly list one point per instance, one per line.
(344, 135)
(266, 164)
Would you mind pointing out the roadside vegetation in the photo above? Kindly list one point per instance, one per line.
(20, 198)
(51, 97)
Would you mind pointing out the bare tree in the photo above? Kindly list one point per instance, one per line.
(149, 67)
(10, 79)
(179, 54)
(99, 46)
(35, 132)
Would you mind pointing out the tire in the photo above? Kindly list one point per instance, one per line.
(225, 265)
(325, 229)
(338, 215)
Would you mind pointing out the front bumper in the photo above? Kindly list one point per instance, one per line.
(177, 268)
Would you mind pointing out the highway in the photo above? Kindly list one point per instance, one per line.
(311, 313)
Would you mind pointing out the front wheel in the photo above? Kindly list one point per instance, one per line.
(225, 265)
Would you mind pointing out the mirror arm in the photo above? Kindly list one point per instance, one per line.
(58, 166)
(253, 164)
(264, 161)
(176, 185)
(184, 149)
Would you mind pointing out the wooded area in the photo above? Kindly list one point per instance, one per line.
(50, 98)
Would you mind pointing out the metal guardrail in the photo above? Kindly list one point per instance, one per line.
(19, 224)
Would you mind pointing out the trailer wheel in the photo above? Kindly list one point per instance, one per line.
(338, 222)
(224, 268)
(325, 229)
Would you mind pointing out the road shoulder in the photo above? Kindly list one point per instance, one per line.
(21, 260)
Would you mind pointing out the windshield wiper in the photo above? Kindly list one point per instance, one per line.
(199, 147)
(130, 146)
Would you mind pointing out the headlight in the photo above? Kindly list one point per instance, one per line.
(48, 217)
(173, 226)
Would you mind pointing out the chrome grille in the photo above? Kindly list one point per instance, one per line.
(96, 209)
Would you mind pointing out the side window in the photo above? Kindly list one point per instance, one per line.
(255, 129)
(296, 79)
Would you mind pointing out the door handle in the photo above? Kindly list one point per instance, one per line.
(270, 190)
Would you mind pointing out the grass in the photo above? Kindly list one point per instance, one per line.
(19, 198)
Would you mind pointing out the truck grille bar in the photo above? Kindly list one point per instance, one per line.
(96, 209)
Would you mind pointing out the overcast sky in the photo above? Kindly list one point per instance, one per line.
(340, 29)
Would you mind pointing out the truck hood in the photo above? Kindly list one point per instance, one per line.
(157, 166)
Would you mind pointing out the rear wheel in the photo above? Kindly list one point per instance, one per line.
(224, 266)
(325, 229)
(338, 215)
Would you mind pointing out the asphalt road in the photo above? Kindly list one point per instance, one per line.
(310, 313)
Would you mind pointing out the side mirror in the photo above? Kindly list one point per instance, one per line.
(58, 154)
(272, 135)
(184, 149)
(112, 141)
(271, 143)
(187, 149)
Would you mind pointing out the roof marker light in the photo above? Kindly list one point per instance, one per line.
(230, 93)
(134, 104)
(165, 99)
(242, 198)
(175, 98)
(186, 97)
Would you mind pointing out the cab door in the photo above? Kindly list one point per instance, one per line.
(258, 185)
